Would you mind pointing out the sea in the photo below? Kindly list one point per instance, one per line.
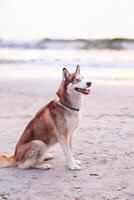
(103, 60)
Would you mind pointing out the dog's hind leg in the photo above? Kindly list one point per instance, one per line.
(48, 156)
(32, 155)
(42, 166)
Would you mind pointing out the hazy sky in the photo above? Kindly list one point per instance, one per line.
(30, 19)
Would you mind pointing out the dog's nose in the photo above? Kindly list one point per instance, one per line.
(89, 84)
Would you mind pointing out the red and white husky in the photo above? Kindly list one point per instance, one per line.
(54, 122)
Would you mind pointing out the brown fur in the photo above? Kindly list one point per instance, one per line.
(62, 92)
(41, 127)
(7, 159)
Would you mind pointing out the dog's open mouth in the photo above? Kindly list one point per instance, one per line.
(84, 91)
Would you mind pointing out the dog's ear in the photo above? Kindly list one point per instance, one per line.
(77, 70)
(65, 73)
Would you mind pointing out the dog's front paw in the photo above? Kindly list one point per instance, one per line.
(75, 167)
(78, 162)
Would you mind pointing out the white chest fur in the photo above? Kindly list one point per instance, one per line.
(73, 121)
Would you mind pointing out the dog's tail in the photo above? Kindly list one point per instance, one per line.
(7, 160)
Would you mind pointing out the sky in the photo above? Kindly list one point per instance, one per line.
(36, 19)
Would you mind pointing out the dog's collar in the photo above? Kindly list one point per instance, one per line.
(71, 108)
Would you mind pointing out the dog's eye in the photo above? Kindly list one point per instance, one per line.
(76, 80)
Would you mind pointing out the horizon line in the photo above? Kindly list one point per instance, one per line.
(67, 39)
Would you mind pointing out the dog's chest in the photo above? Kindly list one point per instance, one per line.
(73, 121)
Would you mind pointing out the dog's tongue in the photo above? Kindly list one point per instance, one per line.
(84, 91)
(87, 91)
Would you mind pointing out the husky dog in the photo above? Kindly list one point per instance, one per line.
(54, 122)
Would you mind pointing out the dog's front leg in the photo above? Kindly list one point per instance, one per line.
(70, 144)
(64, 142)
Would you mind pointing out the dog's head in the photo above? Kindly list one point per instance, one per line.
(73, 83)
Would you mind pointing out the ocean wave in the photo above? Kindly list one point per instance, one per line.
(53, 63)
(115, 44)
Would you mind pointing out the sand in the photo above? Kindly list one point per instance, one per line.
(104, 143)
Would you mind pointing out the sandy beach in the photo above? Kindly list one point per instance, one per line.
(104, 143)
